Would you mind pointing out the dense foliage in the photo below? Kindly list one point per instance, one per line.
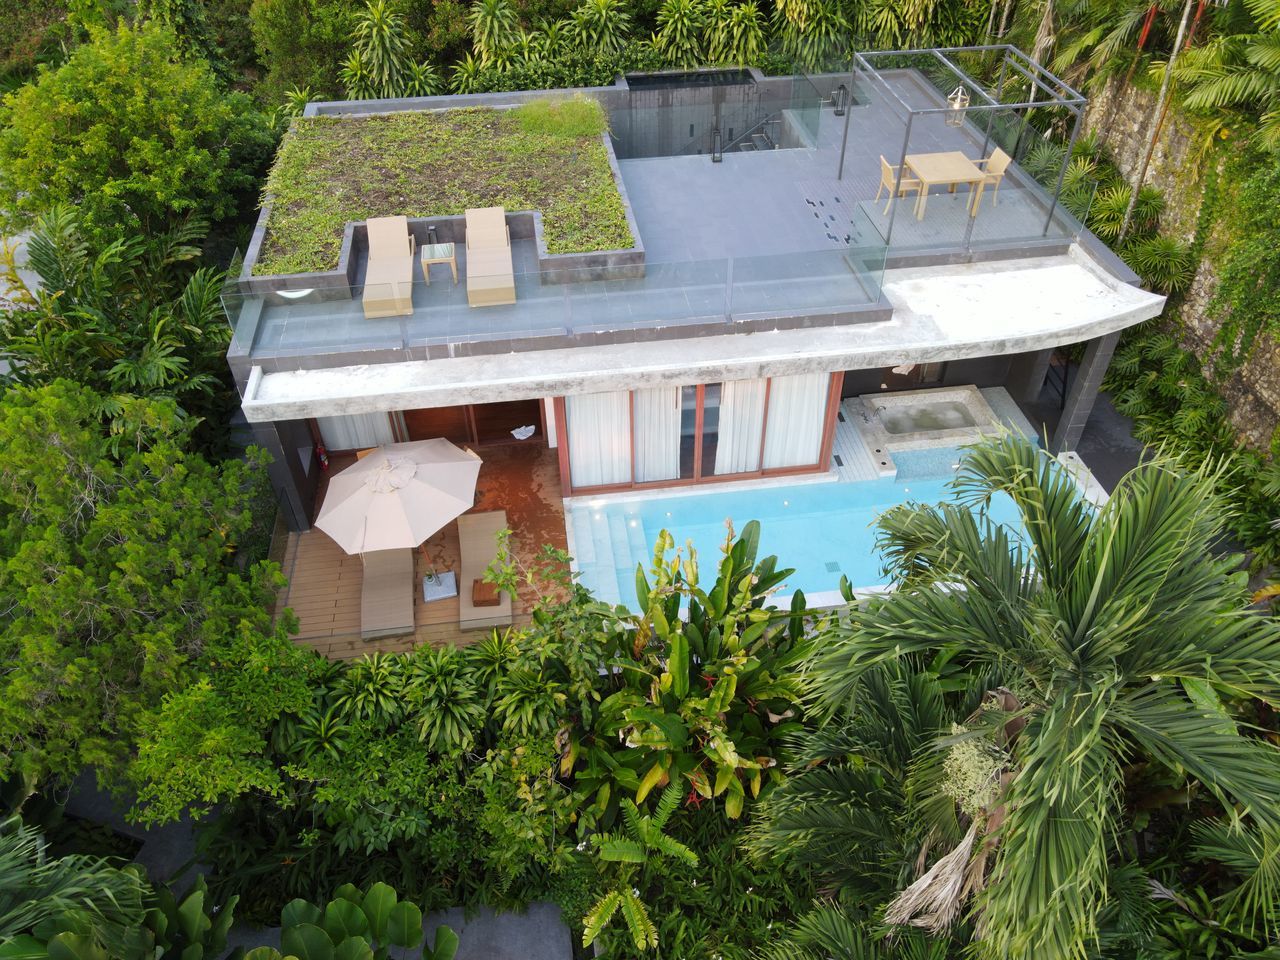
(1008, 755)
(130, 317)
(120, 573)
(132, 133)
(474, 775)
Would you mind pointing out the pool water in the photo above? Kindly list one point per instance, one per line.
(823, 530)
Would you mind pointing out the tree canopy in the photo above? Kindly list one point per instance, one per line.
(120, 572)
(133, 133)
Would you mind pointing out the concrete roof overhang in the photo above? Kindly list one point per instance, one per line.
(940, 313)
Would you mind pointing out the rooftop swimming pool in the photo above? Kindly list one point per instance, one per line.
(823, 530)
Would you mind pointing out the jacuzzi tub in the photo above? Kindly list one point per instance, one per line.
(919, 419)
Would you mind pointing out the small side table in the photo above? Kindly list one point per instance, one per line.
(438, 253)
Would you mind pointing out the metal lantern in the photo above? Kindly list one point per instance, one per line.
(959, 99)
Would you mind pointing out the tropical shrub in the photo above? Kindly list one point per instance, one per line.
(703, 700)
(600, 26)
(379, 66)
(125, 318)
(303, 44)
(1175, 406)
(1104, 636)
(122, 574)
(359, 925)
(133, 135)
(679, 36)
(641, 845)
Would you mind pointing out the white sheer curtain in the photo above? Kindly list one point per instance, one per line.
(599, 438)
(741, 422)
(657, 433)
(355, 431)
(797, 417)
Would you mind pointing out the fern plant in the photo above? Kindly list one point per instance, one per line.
(642, 843)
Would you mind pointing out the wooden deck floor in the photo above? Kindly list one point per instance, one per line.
(325, 583)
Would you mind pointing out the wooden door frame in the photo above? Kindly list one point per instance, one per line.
(831, 415)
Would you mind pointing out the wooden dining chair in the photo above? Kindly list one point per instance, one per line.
(889, 179)
(994, 167)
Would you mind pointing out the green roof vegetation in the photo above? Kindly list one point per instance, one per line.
(545, 156)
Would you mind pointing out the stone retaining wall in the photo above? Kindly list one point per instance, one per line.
(1122, 116)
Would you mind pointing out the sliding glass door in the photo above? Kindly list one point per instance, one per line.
(656, 433)
(797, 420)
(693, 434)
(599, 428)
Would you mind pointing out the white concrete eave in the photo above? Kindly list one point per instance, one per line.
(940, 313)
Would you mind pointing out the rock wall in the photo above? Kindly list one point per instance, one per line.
(1121, 116)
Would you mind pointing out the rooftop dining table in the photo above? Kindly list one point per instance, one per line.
(950, 167)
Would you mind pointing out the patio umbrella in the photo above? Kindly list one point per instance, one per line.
(399, 495)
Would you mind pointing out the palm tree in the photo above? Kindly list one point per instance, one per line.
(1240, 70)
(1115, 628)
(87, 894)
(840, 812)
(643, 843)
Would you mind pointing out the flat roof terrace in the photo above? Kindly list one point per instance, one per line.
(781, 231)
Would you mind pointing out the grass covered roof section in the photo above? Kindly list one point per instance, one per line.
(545, 155)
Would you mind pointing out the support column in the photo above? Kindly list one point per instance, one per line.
(1027, 373)
(1082, 393)
(292, 481)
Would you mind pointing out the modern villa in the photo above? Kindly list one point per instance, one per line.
(747, 297)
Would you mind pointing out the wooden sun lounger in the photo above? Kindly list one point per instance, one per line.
(386, 594)
(490, 274)
(388, 279)
(478, 545)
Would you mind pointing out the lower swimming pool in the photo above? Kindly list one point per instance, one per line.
(823, 530)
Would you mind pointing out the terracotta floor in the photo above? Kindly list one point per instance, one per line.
(324, 582)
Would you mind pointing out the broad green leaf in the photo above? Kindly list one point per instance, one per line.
(1203, 695)
(264, 953)
(446, 944)
(724, 774)
(217, 939)
(674, 731)
(75, 946)
(377, 907)
(404, 924)
(642, 589)
(733, 799)
(192, 920)
(23, 947)
(353, 948)
(678, 664)
(306, 941)
(349, 891)
(651, 779)
(300, 911)
(193, 951)
(343, 919)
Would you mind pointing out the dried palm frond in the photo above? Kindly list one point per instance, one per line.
(935, 900)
